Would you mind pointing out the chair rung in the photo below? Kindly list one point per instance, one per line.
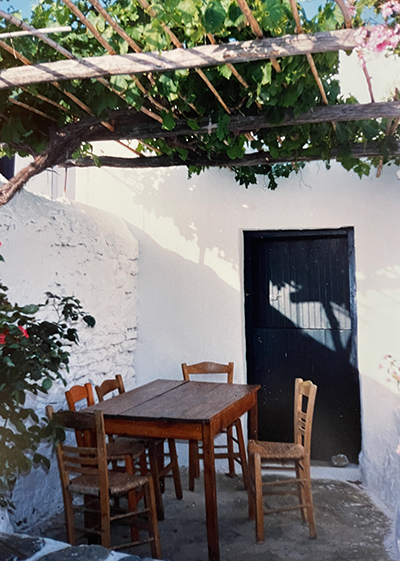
(285, 508)
(283, 482)
(277, 468)
(131, 544)
(129, 514)
(223, 456)
(84, 508)
(87, 530)
(279, 493)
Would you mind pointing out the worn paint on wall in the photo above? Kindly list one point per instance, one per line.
(68, 249)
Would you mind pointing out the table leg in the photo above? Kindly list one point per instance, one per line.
(253, 421)
(154, 470)
(210, 494)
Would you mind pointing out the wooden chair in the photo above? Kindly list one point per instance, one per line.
(229, 453)
(265, 455)
(117, 450)
(83, 471)
(155, 447)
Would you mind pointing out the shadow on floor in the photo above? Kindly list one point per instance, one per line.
(349, 526)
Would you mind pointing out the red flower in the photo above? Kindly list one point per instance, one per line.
(24, 331)
(3, 335)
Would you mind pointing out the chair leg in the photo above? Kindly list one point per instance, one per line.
(197, 458)
(259, 508)
(307, 493)
(132, 497)
(161, 463)
(300, 490)
(242, 452)
(105, 521)
(250, 488)
(150, 503)
(231, 451)
(193, 455)
(175, 468)
(69, 518)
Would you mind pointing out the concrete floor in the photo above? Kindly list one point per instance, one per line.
(349, 526)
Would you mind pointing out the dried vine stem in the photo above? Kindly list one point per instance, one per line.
(256, 28)
(149, 10)
(110, 51)
(310, 60)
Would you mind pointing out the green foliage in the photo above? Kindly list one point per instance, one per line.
(183, 93)
(32, 356)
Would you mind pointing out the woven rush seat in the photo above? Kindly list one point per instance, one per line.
(119, 483)
(278, 451)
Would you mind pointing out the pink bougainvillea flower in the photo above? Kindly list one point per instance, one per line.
(2, 338)
(351, 9)
(388, 8)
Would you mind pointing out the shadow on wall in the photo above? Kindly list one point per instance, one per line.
(200, 218)
(177, 212)
(184, 311)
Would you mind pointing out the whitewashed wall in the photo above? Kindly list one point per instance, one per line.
(191, 304)
(68, 249)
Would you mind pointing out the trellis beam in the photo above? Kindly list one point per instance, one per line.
(133, 126)
(258, 158)
(203, 56)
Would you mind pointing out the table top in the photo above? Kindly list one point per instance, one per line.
(173, 400)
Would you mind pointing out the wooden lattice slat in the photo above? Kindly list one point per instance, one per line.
(32, 109)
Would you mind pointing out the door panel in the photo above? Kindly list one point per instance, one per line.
(300, 322)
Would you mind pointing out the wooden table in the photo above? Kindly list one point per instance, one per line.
(184, 410)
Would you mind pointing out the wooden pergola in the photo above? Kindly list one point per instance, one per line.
(146, 121)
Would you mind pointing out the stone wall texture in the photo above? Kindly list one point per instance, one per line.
(69, 249)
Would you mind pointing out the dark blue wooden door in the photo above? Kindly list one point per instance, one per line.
(300, 322)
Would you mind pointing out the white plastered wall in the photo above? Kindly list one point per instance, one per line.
(68, 249)
(190, 281)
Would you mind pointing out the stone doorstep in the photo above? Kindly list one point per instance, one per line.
(19, 547)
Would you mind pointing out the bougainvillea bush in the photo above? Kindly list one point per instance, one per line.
(33, 354)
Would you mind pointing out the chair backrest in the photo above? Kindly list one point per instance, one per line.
(78, 393)
(304, 400)
(109, 386)
(90, 459)
(208, 368)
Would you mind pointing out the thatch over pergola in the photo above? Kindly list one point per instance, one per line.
(171, 127)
